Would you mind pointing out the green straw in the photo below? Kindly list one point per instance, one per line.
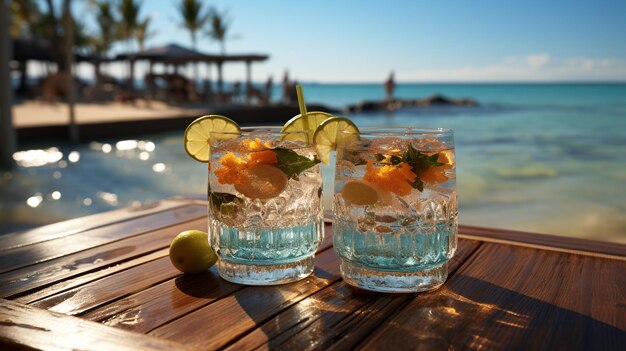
(302, 105)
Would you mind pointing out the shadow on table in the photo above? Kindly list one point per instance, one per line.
(312, 313)
(202, 285)
(469, 312)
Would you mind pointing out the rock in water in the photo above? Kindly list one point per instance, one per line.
(434, 100)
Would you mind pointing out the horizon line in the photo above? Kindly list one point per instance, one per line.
(564, 82)
(408, 82)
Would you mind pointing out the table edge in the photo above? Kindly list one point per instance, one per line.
(545, 241)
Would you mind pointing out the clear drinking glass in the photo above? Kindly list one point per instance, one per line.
(265, 206)
(395, 208)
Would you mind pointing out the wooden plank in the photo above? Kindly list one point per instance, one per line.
(81, 224)
(21, 281)
(65, 285)
(338, 316)
(47, 250)
(510, 297)
(110, 288)
(162, 303)
(156, 306)
(545, 241)
(323, 332)
(227, 319)
(27, 328)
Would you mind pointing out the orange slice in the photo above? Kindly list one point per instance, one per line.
(264, 182)
(362, 193)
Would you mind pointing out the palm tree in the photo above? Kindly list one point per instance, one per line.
(219, 25)
(27, 20)
(106, 19)
(82, 40)
(129, 12)
(25, 15)
(193, 18)
(143, 32)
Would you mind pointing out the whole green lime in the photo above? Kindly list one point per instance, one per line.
(190, 252)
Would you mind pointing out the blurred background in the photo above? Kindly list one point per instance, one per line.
(95, 96)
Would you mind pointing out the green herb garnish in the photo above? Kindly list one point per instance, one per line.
(291, 163)
(230, 208)
(217, 199)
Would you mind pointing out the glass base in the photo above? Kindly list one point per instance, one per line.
(265, 274)
(394, 282)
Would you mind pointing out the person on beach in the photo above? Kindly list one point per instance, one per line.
(268, 90)
(286, 88)
(390, 86)
(236, 97)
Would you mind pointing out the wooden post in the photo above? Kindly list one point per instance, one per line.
(220, 82)
(248, 81)
(208, 90)
(23, 88)
(131, 78)
(68, 33)
(152, 81)
(7, 131)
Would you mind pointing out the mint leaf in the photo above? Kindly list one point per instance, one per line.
(220, 198)
(394, 160)
(411, 154)
(420, 162)
(418, 184)
(434, 160)
(293, 164)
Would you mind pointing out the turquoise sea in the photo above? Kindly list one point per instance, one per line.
(548, 158)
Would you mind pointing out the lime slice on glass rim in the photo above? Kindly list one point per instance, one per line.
(308, 123)
(198, 134)
(331, 133)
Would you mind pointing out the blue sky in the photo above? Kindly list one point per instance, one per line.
(362, 41)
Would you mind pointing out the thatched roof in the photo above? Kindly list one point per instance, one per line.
(41, 50)
(38, 50)
(26, 49)
(176, 54)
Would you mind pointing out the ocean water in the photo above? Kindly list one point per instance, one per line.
(547, 158)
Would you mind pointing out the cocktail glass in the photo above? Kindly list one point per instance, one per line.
(395, 208)
(265, 206)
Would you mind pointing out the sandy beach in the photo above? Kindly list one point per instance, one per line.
(36, 120)
(36, 114)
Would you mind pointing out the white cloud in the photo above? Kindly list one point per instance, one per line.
(537, 61)
(535, 67)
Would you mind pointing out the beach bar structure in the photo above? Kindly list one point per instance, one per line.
(25, 50)
(7, 132)
(176, 55)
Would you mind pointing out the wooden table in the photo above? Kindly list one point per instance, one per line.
(105, 282)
